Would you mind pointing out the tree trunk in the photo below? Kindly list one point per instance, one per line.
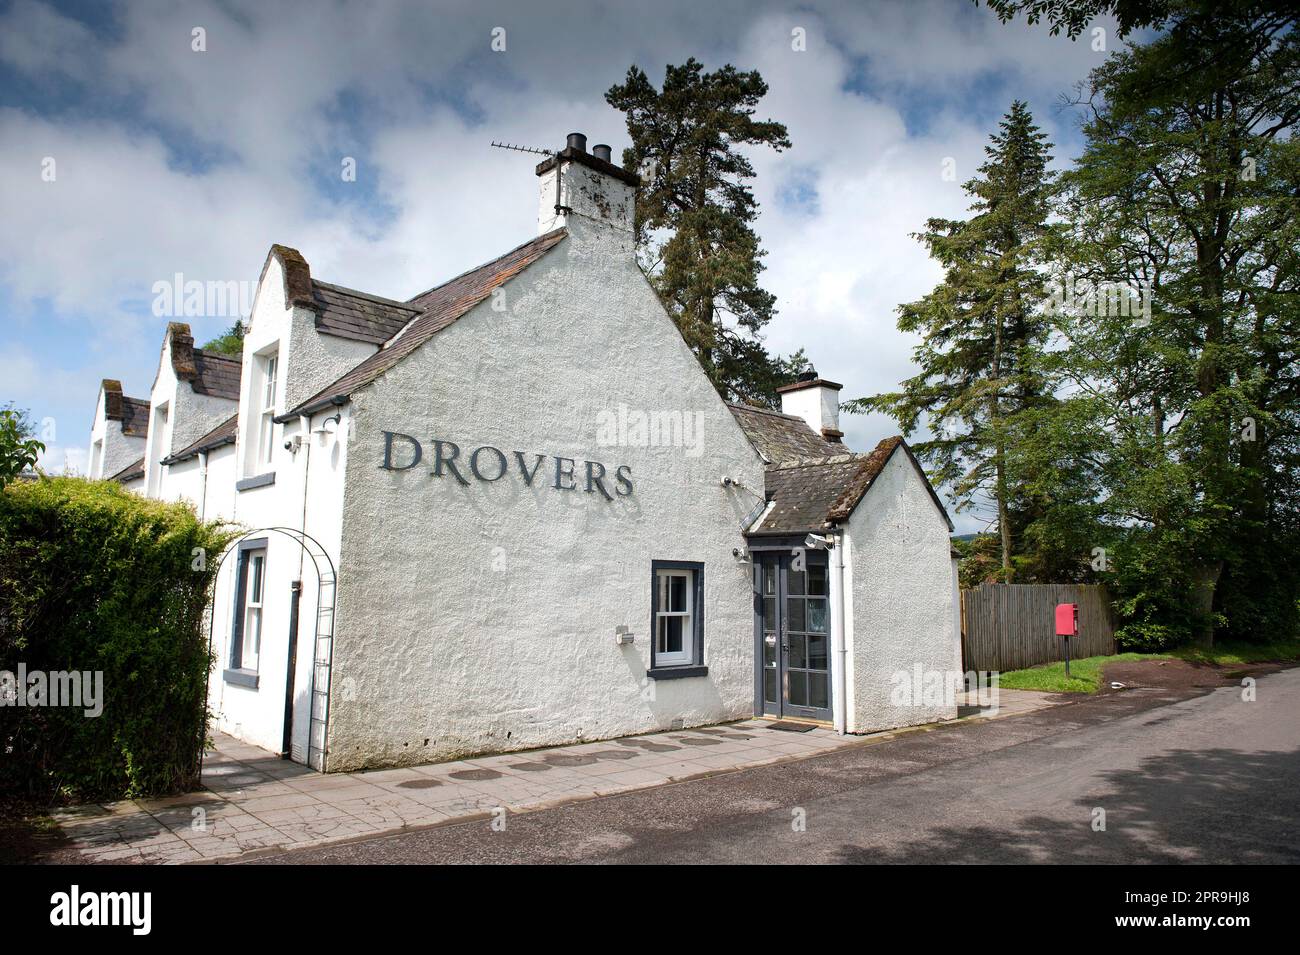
(1000, 479)
(1204, 580)
(1004, 524)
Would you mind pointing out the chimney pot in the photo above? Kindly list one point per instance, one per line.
(577, 142)
(602, 151)
(809, 375)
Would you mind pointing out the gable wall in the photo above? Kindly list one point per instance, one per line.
(481, 618)
(901, 610)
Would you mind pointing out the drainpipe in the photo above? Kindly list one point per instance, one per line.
(295, 598)
(839, 646)
(203, 496)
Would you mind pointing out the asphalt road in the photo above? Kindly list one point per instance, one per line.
(1204, 779)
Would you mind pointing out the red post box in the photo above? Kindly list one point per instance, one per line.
(1067, 625)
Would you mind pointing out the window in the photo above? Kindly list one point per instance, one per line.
(677, 624)
(673, 617)
(250, 592)
(160, 441)
(266, 427)
(253, 610)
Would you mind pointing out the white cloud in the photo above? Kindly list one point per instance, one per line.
(197, 162)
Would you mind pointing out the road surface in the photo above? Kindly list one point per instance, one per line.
(1211, 778)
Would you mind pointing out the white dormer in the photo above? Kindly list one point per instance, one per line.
(193, 392)
(118, 432)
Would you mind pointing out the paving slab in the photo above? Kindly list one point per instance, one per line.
(253, 801)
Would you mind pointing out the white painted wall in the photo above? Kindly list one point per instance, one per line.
(307, 495)
(482, 618)
(207, 481)
(901, 609)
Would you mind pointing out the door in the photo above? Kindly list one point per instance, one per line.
(792, 607)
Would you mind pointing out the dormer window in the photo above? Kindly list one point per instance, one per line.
(268, 368)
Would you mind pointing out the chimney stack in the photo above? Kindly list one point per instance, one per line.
(580, 189)
(815, 400)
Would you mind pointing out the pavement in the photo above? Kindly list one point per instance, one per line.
(1145, 775)
(254, 802)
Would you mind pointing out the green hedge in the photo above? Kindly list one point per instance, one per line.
(94, 578)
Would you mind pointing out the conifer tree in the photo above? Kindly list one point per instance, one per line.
(695, 213)
(981, 329)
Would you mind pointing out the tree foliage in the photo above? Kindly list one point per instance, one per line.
(1164, 456)
(695, 213)
(230, 342)
(1189, 187)
(981, 328)
(18, 449)
(96, 579)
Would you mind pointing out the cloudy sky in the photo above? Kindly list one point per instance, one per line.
(167, 160)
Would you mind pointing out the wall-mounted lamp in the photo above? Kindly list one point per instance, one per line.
(622, 635)
(742, 555)
(330, 425)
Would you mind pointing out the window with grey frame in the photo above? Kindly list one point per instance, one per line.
(677, 619)
(247, 625)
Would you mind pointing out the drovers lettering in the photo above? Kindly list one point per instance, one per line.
(402, 452)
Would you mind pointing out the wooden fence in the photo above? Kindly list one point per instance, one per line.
(1012, 626)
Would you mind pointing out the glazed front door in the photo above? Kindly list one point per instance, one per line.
(793, 612)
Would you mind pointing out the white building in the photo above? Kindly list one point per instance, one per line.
(512, 512)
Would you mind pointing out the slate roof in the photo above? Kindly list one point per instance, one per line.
(223, 433)
(807, 494)
(131, 413)
(216, 375)
(132, 472)
(781, 437)
(135, 416)
(437, 308)
(347, 313)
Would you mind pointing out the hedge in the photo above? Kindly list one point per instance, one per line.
(96, 580)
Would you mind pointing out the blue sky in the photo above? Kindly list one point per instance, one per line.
(168, 160)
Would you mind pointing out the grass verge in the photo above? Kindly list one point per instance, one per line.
(1085, 674)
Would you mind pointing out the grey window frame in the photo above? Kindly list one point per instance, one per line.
(696, 666)
(236, 673)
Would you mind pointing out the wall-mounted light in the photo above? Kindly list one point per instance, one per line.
(330, 425)
(742, 555)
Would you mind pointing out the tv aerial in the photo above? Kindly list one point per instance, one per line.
(560, 208)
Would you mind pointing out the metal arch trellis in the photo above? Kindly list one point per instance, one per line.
(323, 643)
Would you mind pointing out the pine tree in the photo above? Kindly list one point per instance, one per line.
(981, 329)
(694, 216)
